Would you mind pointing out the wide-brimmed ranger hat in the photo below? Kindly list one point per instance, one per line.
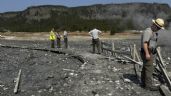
(159, 23)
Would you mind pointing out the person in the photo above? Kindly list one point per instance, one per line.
(58, 38)
(148, 50)
(95, 39)
(65, 39)
(52, 38)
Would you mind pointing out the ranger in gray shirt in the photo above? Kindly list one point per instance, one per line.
(148, 47)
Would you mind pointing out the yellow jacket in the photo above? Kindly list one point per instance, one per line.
(52, 35)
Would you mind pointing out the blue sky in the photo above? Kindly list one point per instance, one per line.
(18, 5)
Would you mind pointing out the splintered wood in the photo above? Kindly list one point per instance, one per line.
(163, 69)
(17, 82)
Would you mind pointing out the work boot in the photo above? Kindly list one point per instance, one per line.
(153, 88)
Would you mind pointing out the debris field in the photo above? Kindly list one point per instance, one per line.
(46, 73)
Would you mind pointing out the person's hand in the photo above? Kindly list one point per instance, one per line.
(147, 56)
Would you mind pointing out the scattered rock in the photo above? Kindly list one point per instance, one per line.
(5, 88)
(115, 69)
(71, 74)
(126, 80)
(49, 77)
(109, 94)
(2, 85)
(51, 89)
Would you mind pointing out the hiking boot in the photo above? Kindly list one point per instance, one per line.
(153, 88)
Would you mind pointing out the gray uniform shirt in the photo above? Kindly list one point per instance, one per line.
(150, 37)
(95, 33)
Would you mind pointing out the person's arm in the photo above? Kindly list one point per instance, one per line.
(90, 33)
(146, 38)
(147, 54)
(100, 32)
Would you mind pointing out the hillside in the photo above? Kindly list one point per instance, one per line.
(107, 17)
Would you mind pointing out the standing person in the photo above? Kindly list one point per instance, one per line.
(52, 38)
(95, 39)
(148, 49)
(65, 39)
(58, 38)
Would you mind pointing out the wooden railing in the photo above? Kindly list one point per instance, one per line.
(134, 57)
(110, 48)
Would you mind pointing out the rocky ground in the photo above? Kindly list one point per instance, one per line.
(53, 74)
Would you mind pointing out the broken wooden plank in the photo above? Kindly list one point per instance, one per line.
(17, 82)
(139, 63)
(160, 57)
(163, 69)
(137, 66)
(135, 54)
(69, 70)
(165, 91)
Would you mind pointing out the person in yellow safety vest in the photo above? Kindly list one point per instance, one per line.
(52, 38)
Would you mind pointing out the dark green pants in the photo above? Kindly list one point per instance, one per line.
(96, 43)
(66, 42)
(147, 71)
(58, 43)
(52, 43)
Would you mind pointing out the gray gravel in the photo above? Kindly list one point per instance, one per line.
(52, 74)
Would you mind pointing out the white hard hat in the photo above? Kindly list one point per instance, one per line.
(159, 22)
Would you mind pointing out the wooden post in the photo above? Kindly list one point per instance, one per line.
(137, 67)
(134, 51)
(17, 82)
(137, 55)
(113, 48)
(159, 53)
(131, 51)
(101, 46)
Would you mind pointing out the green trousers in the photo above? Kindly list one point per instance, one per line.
(52, 43)
(66, 42)
(147, 71)
(58, 43)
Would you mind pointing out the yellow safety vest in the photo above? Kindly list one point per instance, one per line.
(52, 35)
